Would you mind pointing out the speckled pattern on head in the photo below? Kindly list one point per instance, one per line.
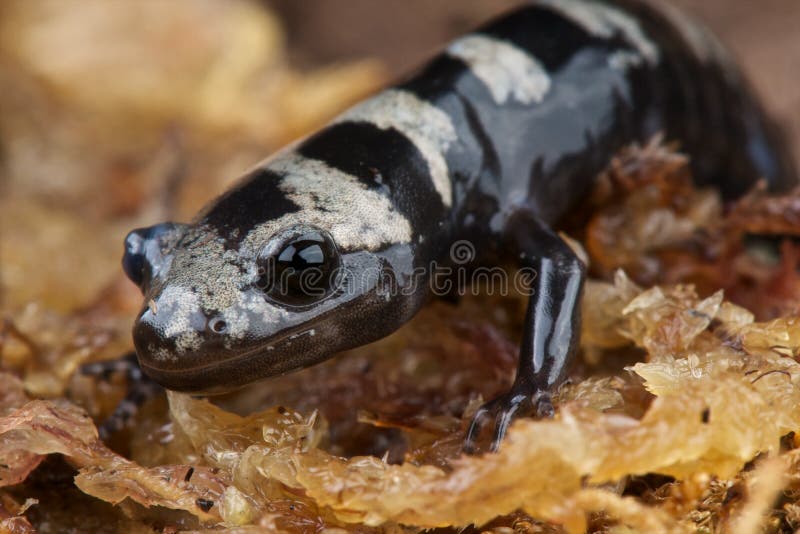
(358, 218)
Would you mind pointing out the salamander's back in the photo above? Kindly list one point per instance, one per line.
(729, 137)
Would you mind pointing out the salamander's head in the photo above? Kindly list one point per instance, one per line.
(227, 302)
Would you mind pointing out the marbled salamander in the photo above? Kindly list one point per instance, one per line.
(492, 141)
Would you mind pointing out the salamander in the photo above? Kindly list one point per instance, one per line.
(328, 244)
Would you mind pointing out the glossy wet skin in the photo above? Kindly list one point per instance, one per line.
(492, 142)
(279, 307)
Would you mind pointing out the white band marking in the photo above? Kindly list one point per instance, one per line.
(356, 216)
(602, 20)
(504, 69)
(426, 126)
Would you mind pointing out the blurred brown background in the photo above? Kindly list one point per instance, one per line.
(764, 35)
(117, 115)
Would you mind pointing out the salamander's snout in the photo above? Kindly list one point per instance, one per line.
(173, 336)
(145, 255)
(177, 332)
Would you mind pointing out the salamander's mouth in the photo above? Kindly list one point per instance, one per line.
(217, 373)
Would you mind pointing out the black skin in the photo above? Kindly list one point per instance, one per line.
(730, 147)
(516, 170)
(546, 350)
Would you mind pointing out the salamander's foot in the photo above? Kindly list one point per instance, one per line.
(503, 410)
(140, 389)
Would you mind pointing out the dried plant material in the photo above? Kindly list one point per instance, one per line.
(646, 203)
(759, 212)
(666, 324)
(541, 467)
(17, 463)
(601, 320)
(765, 485)
(648, 219)
(44, 427)
(47, 348)
(12, 520)
(779, 335)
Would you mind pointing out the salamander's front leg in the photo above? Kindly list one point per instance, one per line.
(552, 328)
(141, 388)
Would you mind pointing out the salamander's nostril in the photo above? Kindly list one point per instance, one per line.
(217, 325)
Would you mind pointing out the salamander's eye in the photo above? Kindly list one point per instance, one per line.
(305, 269)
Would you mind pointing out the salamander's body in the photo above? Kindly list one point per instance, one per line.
(329, 244)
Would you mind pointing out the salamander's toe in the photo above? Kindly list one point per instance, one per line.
(140, 390)
(503, 410)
